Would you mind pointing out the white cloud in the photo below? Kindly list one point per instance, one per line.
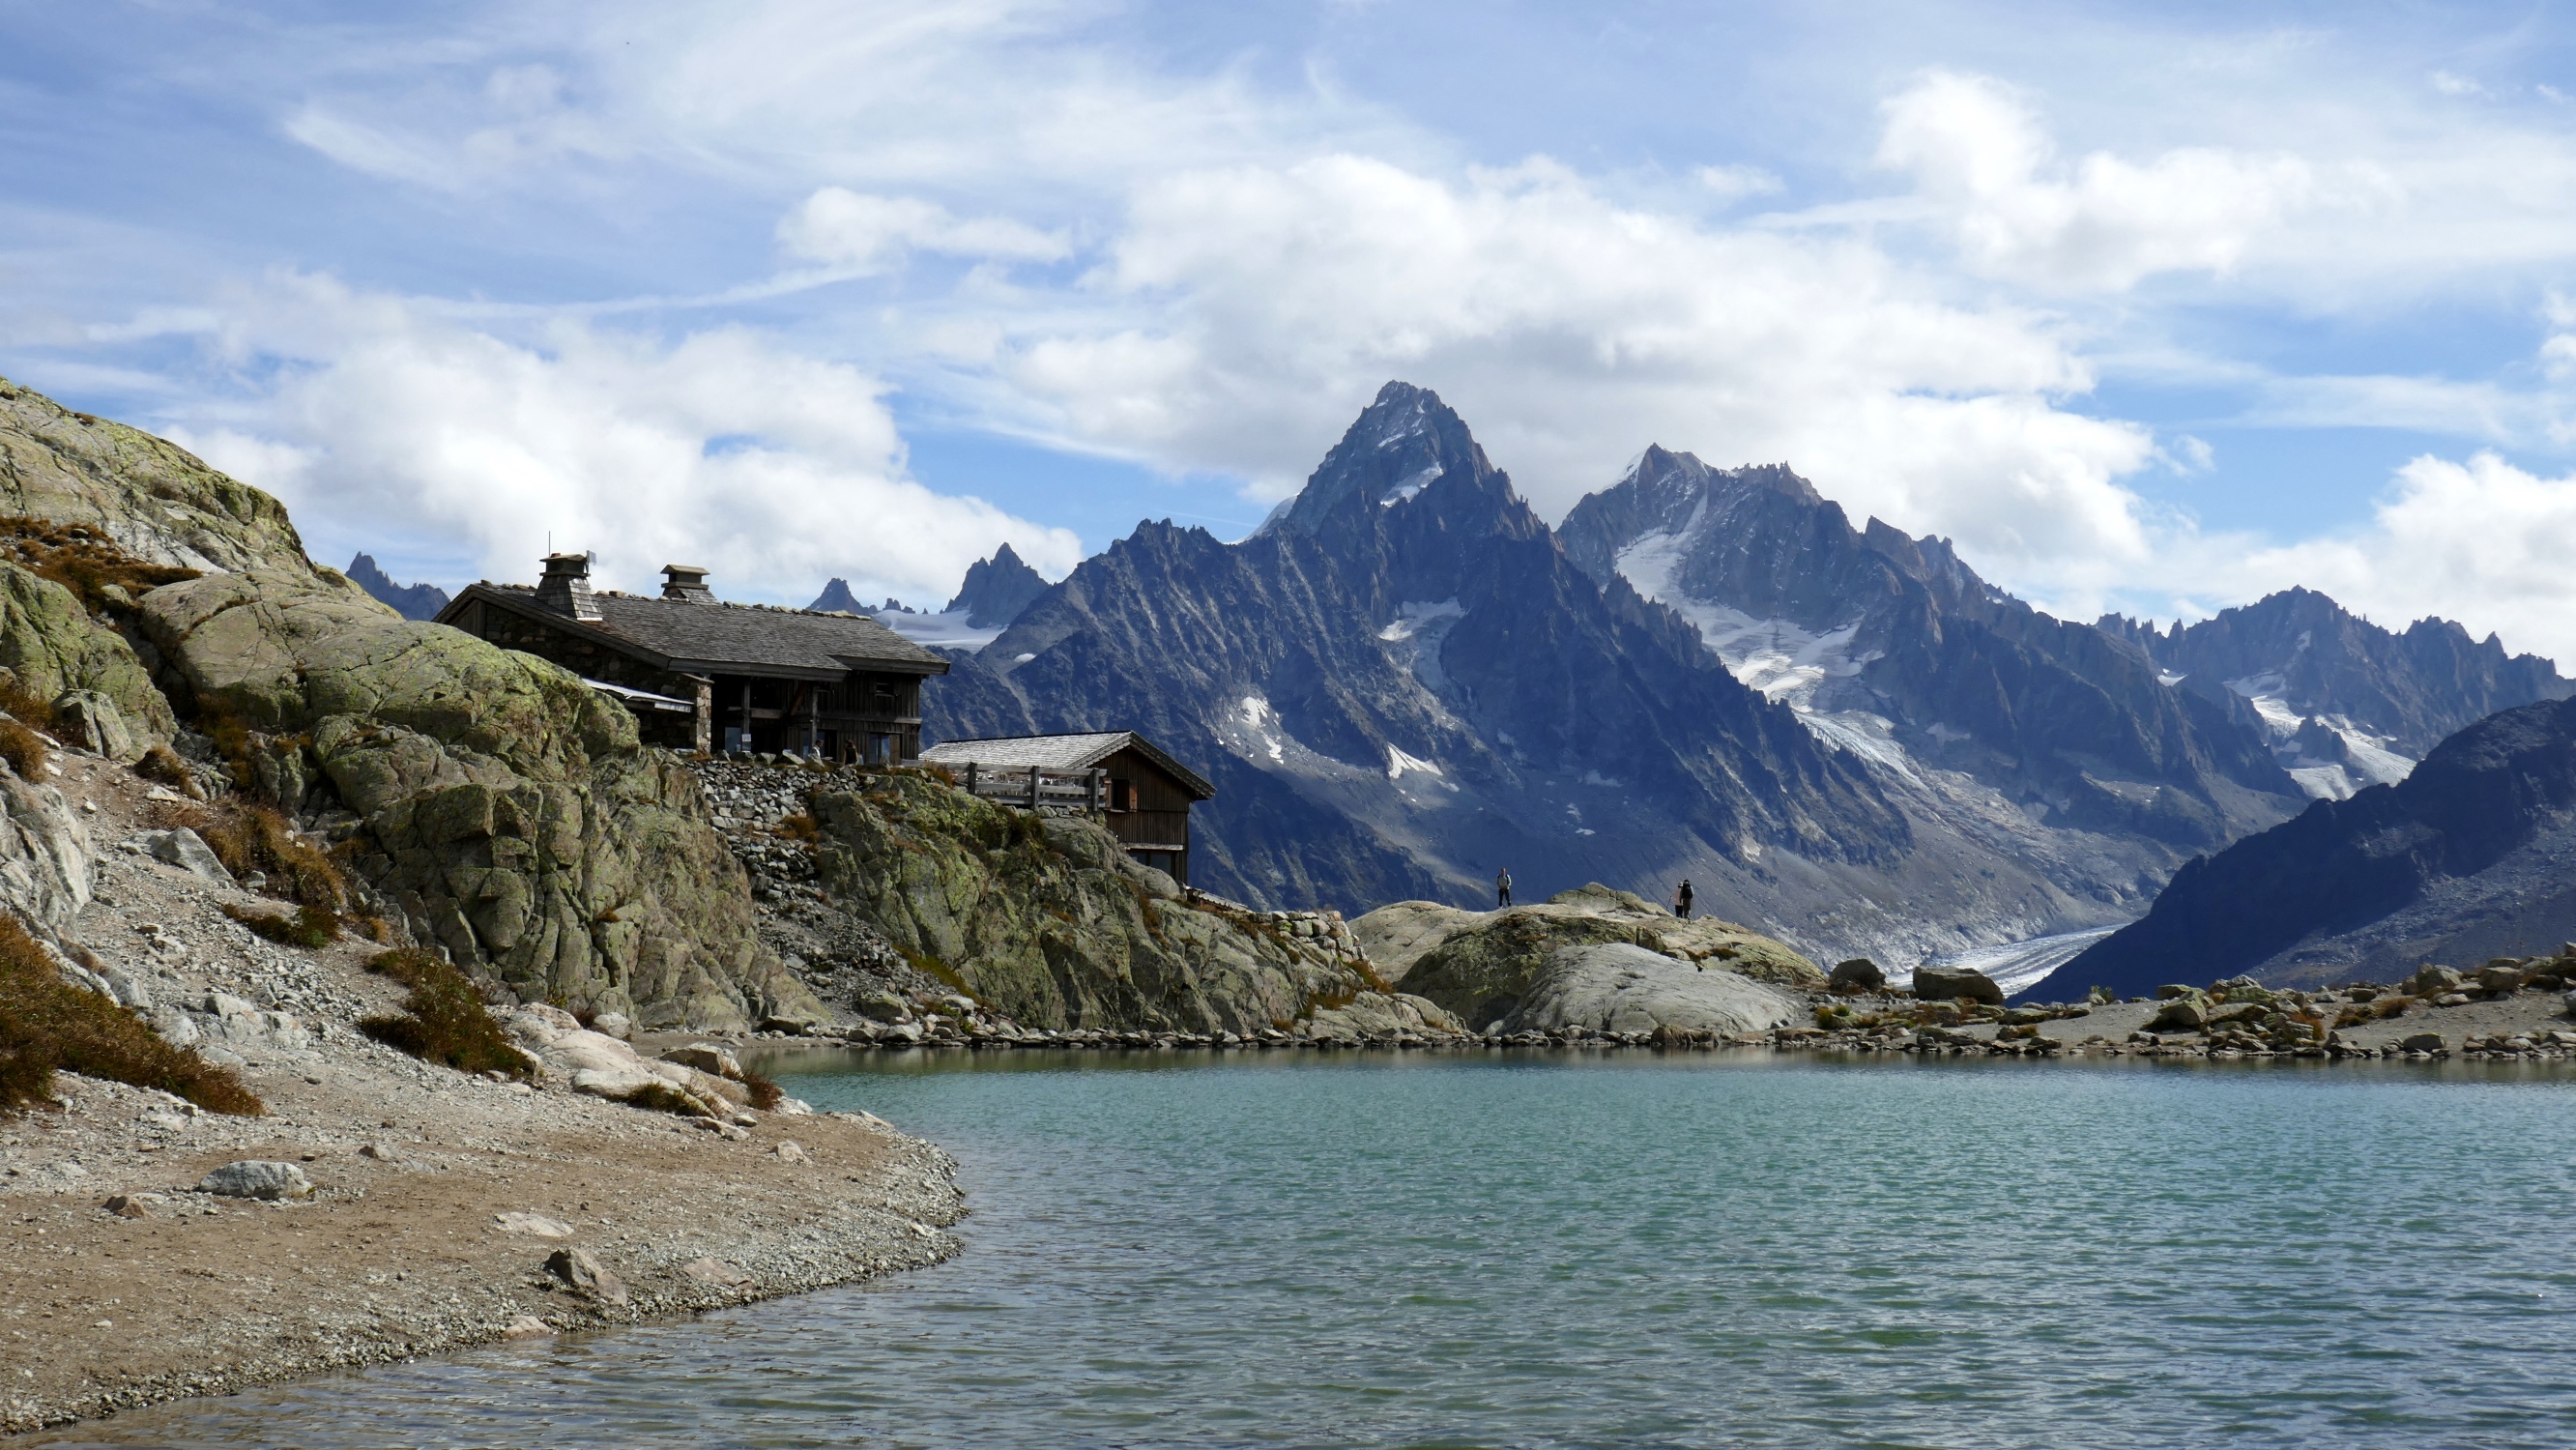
(2483, 542)
(1976, 149)
(844, 229)
(1569, 331)
(1735, 183)
(721, 449)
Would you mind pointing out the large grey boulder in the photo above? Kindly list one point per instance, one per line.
(258, 1178)
(46, 862)
(1621, 987)
(1942, 984)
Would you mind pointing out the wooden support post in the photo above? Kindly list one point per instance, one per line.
(746, 715)
(1033, 787)
(1092, 800)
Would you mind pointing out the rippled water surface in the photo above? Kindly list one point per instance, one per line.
(1620, 1250)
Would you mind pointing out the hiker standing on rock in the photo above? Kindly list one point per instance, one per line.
(1682, 900)
(1503, 888)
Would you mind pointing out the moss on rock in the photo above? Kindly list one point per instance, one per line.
(506, 809)
(1047, 921)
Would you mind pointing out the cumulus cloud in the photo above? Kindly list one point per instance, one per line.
(2483, 542)
(721, 449)
(1978, 151)
(1571, 331)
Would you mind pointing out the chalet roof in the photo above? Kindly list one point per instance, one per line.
(732, 638)
(1064, 752)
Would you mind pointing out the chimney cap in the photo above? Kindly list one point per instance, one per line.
(686, 582)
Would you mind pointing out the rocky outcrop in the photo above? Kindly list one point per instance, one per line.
(155, 499)
(1048, 923)
(499, 805)
(46, 861)
(1622, 988)
(1485, 967)
(53, 647)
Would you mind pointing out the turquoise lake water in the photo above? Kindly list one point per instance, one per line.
(1613, 1249)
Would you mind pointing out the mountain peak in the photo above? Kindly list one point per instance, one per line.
(1403, 443)
(997, 589)
(836, 598)
(418, 601)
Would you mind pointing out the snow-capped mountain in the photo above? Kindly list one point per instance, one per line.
(1405, 680)
(2343, 703)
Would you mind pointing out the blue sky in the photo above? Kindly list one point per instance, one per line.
(2155, 308)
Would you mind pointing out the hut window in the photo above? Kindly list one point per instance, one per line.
(1122, 795)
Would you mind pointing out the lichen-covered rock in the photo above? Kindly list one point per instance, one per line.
(46, 861)
(1375, 1016)
(1047, 921)
(1480, 965)
(53, 647)
(155, 499)
(504, 807)
(1620, 987)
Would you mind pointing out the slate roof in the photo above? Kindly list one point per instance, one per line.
(1063, 752)
(735, 638)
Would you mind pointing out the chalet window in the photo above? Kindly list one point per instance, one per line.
(1122, 795)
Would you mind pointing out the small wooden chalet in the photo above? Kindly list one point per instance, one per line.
(1145, 794)
(701, 674)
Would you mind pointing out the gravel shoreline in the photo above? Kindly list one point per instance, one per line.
(439, 1198)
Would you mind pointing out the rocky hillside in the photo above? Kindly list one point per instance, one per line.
(488, 802)
(2343, 703)
(1047, 922)
(2465, 858)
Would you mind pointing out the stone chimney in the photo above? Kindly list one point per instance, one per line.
(686, 582)
(566, 587)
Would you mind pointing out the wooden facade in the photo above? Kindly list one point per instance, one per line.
(700, 674)
(1145, 795)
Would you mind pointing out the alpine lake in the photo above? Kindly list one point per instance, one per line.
(1609, 1248)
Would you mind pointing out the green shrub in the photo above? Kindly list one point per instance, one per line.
(443, 1019)
(48, 1025)
(309, 927)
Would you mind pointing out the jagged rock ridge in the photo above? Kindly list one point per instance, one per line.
(416, 601)
(1402, 683)
(997, 589)
(2466, 857)
(2051, 749)
(2343, 703)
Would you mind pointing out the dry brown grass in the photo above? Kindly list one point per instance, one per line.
(799, 827)
(765, 1091)
(310, 927)
(85, 561)
(247, 838)
(162, 764)
(48, 1025)
(24, 749)
(443, 1019)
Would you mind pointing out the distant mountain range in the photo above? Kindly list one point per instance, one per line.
(417, 601)
(2467, 858)
(1405, 681)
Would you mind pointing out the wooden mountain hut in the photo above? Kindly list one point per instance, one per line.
(1143, 795)
(701, 674)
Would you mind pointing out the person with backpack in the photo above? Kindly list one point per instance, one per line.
(1502, 888)
(1682, 900)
